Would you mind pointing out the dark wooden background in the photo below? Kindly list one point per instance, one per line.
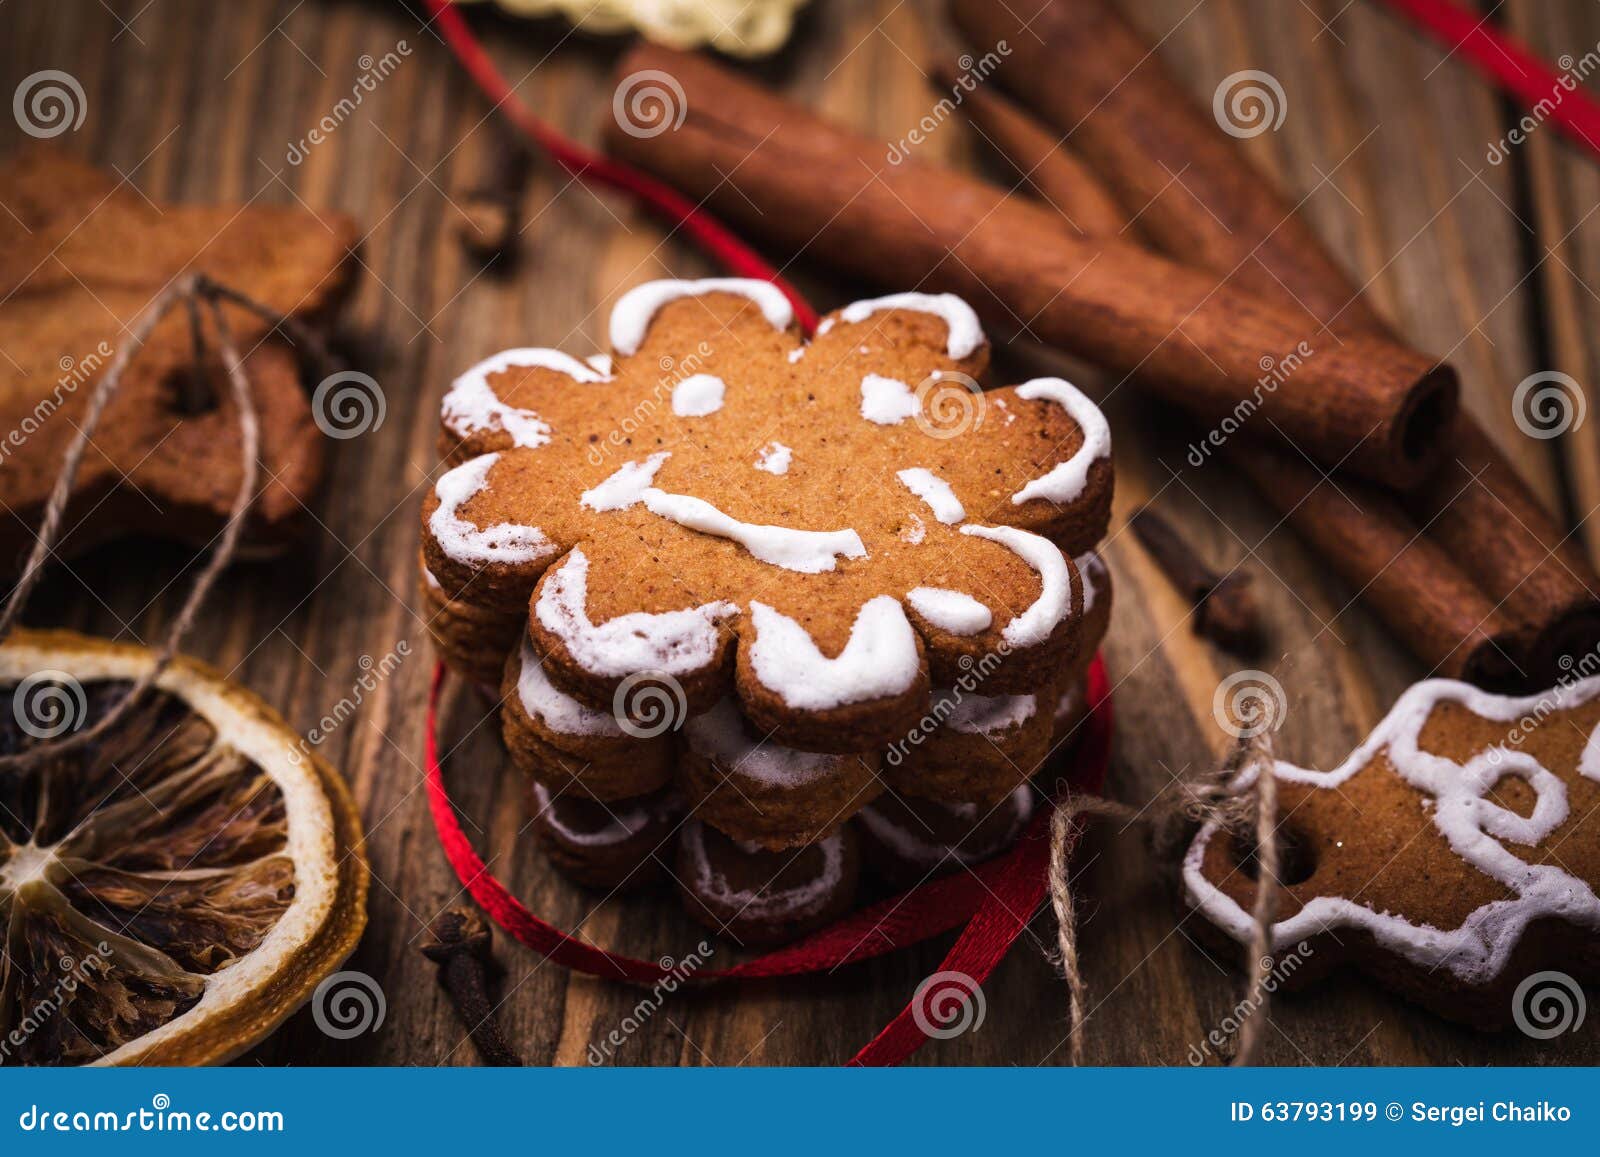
(1386, 138)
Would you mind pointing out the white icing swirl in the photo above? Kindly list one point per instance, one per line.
(1471, 823)
(1033, 626)
(626, 485)
(767, 903)
(805, 551)
(631, 318)
(982, 714)
(466, 543)
(560, 712)
(965, 333)
(1066, 480)
(674, 642)
(936, 492)
(879, 661)
(952, 611)
(471, 406)
(721, 735)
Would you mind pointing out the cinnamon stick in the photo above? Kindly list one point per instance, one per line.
(1139, 128)
(1412, 583)
(1058, 177)
(765, 164)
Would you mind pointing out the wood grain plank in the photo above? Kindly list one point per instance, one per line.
(1403, 208)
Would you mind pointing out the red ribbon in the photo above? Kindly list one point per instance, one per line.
(1509, 63)
(714, 238)
(994, 901)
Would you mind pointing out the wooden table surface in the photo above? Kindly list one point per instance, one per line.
(1385, 138)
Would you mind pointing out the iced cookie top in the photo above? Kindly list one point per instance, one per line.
(827, 503)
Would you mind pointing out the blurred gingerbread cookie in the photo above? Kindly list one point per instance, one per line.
(80, 258)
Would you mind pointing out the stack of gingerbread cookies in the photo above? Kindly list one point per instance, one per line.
(767, 616)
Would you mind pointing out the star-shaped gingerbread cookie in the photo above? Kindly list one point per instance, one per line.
(1453, 856)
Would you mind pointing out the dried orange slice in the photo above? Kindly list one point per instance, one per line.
(173, 891)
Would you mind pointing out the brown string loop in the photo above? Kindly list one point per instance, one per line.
(196, 292)
(1168, 821)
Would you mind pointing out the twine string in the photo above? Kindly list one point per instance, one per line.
(194, 291)
(1167, 822)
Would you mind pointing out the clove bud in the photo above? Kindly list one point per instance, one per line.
(459, 942)
(1225, 605)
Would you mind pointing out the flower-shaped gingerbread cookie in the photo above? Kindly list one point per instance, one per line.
(819, 529)
(1453, 856)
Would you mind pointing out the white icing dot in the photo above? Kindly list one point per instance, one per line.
(720, 734)
(952, 611)
(560, 712)
(698, 396)
(887, 401)
(465, 542)
(676, 642)
(626, 486)
(1033, 626)
(916, 532)
(774, 458)
(965, 333)
(631, 318)
(1471, 823)
(1065, 482)
(806, 551)
(796, 354)
(879, 661)
(470, 406)
(936, 492)
(982, 714)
